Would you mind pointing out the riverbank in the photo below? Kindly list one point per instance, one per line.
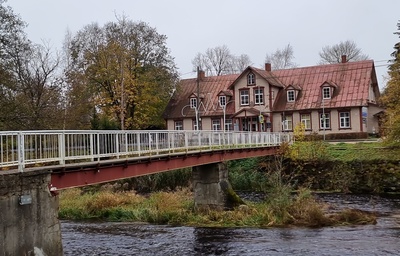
(316, 165)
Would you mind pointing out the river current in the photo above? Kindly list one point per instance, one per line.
(116, 238)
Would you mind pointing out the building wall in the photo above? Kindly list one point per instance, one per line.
(260, 82)
(355, 121)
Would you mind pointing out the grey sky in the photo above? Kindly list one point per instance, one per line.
(252, 27)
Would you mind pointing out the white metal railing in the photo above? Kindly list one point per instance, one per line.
(29, 148)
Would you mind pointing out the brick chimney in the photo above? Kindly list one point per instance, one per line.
(201, 75)
(344, 58)
(267, 66)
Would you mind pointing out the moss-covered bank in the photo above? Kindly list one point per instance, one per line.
(356, 176)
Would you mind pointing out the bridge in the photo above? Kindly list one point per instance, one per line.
(34, 165)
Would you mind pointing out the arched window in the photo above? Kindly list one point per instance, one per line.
(251, 79)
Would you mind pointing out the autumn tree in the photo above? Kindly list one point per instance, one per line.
(281, 58)
(128, 70)
(390, 97)
(220, 61)
(333, 54)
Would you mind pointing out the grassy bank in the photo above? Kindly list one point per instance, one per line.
(177, 208)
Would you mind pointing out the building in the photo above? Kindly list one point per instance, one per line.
(339, 100)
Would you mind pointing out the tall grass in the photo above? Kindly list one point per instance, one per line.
(177, 208)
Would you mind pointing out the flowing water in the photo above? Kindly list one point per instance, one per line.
(106, 238)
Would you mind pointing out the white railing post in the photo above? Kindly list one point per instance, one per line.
(61, 147)
(21, 151)
(91, 145)
(186, 140)
(138, 143)
(117, 144)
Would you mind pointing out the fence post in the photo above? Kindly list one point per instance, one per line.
(21, 151)
(117, 144)
(61, 147)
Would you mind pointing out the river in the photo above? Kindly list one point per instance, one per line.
(110, 238)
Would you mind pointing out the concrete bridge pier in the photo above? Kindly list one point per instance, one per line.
(212, 189)
(29, 222)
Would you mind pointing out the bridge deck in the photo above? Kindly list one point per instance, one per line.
(128, 153)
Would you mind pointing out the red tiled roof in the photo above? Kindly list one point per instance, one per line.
(351, 80)
(210, 87)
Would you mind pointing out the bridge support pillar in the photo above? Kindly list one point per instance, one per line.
(212, 189)
(29, 222)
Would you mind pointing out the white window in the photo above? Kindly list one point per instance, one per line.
(290, 95)
(344, 120)
(216, 124)
(251, 79)
(195, 125)
(222, 101)
(259, 96)
(178, 125)
(193, 103)
(326, 93)
(228, 125)
(325, 122)
(306, 120)
(287, 123)
(244, 97)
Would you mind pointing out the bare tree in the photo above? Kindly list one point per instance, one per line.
(241, 62)
(333, 54)
(281, 58)
(219, 61)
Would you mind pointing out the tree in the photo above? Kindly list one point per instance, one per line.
(333, 54)
(29, 91)
(281, 58)
(390, 97)
(219, 61)
(128, 68)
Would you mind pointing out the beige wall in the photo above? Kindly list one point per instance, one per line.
(355, 122)
(260, 82)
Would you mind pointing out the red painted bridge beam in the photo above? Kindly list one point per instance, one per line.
(83, 174)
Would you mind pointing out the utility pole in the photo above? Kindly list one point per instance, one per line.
(198, 99)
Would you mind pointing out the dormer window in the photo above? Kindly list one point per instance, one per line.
(193, 103)
(290, 96)
(222, 100)
(326, 93)
(251, 79)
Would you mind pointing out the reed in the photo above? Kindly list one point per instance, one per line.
(177, 208)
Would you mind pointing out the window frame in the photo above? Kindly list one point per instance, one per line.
(193, 102)
(251, 79)
(228, 124)
(326, 93)
(291, 94)
(258, 95)
(220, 100)
(327, 125)
(243, 97)
(176, 122)
(194, 125)
(287, 122)
(216, 124)
(304, 121)
(345, 118)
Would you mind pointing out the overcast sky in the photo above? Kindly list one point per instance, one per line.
(252, 27)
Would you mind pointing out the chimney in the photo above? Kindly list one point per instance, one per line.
(344, 58)
(201, 74)
(267, 66)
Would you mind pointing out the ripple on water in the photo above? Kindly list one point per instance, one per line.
(83, 238)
